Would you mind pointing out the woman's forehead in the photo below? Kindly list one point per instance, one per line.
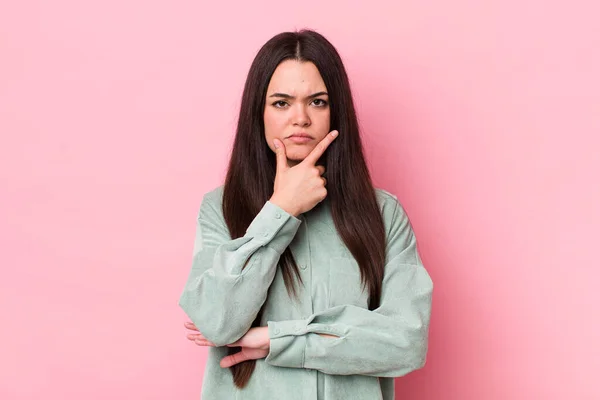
(296, 78)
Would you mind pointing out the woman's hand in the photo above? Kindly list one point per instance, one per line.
(299, 188)
(255, 344)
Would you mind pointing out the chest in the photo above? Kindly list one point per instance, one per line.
(330, 275)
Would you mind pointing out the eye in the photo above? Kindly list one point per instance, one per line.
(279, 104)
(320, 102)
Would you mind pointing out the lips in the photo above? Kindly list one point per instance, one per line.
(301, 135)
(300, 139)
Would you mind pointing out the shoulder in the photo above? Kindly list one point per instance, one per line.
(212, 200)
(388, 201)
(392, 210)
(214, 196)
(384, 196)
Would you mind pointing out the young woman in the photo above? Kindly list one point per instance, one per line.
(306, 282)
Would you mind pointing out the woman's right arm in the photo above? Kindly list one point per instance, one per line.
(220, 297)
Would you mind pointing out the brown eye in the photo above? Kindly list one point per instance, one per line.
(320, 102)
(279, 104)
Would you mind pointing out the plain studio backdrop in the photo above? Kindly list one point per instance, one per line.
(483, 117)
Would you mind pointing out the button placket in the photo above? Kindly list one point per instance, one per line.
(308, 306)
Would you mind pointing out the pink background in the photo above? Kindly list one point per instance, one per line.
(116, 116)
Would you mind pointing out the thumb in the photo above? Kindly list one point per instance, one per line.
(233, 359)
(281, 155)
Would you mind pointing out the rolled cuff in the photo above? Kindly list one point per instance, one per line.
(273, 226)
(288, 343)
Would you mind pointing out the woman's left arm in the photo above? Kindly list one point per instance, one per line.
(390, 341)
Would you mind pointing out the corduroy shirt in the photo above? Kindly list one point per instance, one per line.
(373, 346)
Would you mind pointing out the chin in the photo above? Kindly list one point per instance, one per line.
(298, 155)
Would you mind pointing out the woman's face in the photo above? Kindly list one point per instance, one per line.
(296, 102)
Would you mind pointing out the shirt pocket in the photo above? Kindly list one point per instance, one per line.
(345, 286)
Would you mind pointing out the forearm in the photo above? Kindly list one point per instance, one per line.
(388, 342)
(222, 305)
(229, 279)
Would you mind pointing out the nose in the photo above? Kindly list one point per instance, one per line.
(300, 116)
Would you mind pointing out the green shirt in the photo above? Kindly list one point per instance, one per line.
(373, 346)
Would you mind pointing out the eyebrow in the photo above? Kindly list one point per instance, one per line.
(287, 96)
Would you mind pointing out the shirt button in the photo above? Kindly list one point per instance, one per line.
(266, 234)
(278, 215)
(303, 266)
(276, 331)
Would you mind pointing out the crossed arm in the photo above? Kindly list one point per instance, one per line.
(222, 300)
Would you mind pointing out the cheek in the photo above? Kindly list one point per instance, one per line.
(273, 123)
(272, 128)
(322, 120)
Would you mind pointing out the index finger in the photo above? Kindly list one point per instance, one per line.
(320, 148)
(190, 325)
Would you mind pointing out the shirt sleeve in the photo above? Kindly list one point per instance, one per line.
(220, 296)
(389, 341)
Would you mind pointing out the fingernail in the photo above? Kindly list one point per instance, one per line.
(276, 144)
(334, 133)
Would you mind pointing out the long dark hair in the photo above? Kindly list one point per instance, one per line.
(350, 192)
